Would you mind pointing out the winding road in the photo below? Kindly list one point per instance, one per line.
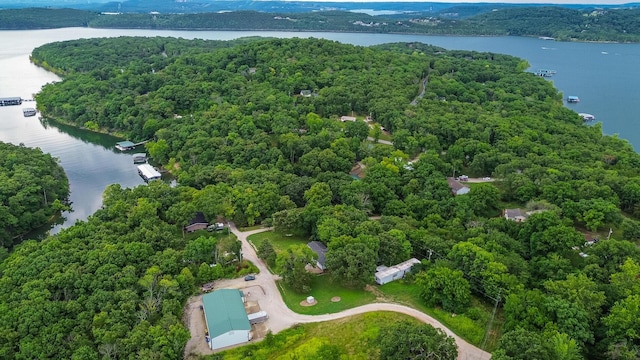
(264, 290)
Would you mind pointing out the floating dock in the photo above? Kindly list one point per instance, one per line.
(587, 117)
(148, 173)
(129, 145)
(139, 158)
(125, 145)
(545, 72)
(10, 101)
(28, 112)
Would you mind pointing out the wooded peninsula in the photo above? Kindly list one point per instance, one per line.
(34, 190)
(362, 149)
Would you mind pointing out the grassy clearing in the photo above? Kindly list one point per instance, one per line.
(323, 290)
(470, 326)
(386, 137)
(279, 241)
(354, 337)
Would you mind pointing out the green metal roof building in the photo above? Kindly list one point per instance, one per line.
(226, 318)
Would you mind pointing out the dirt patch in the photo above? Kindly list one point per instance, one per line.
(193, 319)
(375, 291)
(335, 299)
(358, 170)
(259, 331)
(251, 307)
(306, 303)
(313, 269)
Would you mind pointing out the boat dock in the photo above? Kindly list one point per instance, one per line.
(148, 173)
(139, 158)
(128, 145)
(545, 72)
(10, 101)
(28, 112)
(587, 117)
(573, 99)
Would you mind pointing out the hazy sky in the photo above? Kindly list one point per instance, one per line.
(596, 2)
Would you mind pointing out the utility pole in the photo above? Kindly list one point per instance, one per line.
(493, 315)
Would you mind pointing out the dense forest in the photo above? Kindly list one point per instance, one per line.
(112, 287)
(34, 189)
(253, 133)
(561, 23)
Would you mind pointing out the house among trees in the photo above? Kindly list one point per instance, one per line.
(347, 118)
(388, 274)
(197, 223)
(320, 249)
(226, 319)
(456, 187)
(305, 93)
(516, 215)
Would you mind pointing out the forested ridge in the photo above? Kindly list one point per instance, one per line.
(34, 189)
(584, 24)
(231, 124)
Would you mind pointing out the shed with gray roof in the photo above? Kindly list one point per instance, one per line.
(320, 249)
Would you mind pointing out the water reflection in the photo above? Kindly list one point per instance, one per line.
(86, 136)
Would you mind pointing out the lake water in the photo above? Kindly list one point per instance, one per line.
(605, 77)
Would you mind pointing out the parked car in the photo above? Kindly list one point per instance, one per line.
(486, 178)
(215, 227)
(249, 277)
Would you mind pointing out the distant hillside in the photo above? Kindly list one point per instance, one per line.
(195, 6)
(593, 24)
(587, 24)
(40, 18)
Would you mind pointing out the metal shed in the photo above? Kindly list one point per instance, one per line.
(226, 318)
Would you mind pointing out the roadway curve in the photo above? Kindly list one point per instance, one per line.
(281, 317)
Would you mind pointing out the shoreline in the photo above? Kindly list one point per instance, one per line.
(569, 40)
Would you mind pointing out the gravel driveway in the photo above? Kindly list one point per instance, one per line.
(264, 290)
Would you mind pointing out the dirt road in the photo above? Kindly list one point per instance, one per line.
(264, 290)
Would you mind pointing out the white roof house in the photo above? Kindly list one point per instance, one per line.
(389, 274)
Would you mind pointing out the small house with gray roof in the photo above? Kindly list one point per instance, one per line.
(457, 188)
(516, 215)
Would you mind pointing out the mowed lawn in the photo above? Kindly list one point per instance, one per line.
(324, 291)
(322, 288)
(279, 241)
(354, 337)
